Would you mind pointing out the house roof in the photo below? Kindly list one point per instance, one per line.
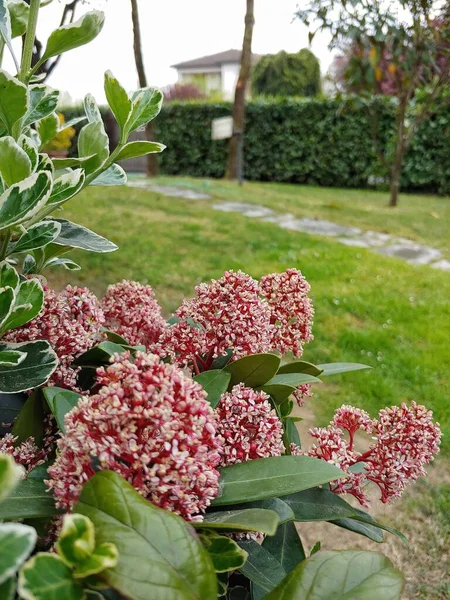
(214, 60)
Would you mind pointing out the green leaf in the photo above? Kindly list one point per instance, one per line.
(43, 103)
(291, 431)
(46, 577)
(272, 477)
(93, 141)
(77, 236)
(286, 546)
(254, 370)
(66, 163)
(283, 511)
(23, 200)
(38, 236)
(92, 110)
(8, 589)
(225, 553)
(14, 162)
(343, 574)
(48, 128)
(10, 475)
(27, 305)
(279, 393)
(61, 402)
(30, 421)
(318, 504)
(13, 100)
(159, 555)
(16, 543)
(99, 355)
(215, 383)
(293, 379)
(7, 299)
(11, 358)
(27, 145)
(118, 99)
(35, 370)
(104, 557)
(29, 500)
(76, 539)
(66, 186)
(317, 546)
(5, 29)
(146, 104)
(369, 531)
(261, 567)
(74, 35)
(300, 366)
(335, 368)
(135, 149)
(19, 12)
(114, 175)
(8, 276)
(246, 519)
(363, 517)
(68, 264)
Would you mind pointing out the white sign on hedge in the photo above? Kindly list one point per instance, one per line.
(222, 128)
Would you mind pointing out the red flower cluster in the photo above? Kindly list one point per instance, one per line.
(248, 425)
(405, 440)
(291, 310)
(236, 313)
(70, 321)
(26, 453)
(150, 423)
(226, 313)
(132, 312)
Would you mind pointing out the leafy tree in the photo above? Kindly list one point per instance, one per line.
(398, 47)
(285, 74)
(238, 112)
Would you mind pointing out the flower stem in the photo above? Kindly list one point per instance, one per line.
(27, 54)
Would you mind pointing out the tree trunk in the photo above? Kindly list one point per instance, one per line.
(238, 112)
(400, 148)
(152, 161)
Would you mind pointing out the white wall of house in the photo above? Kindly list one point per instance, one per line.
(230, 74)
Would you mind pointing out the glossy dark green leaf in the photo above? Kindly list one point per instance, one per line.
(272, 477)
(291, 431)
(318, 504)
(34, 371)
(364, 517)
(74, 35)
(343, 574)
(369, 531)
(261, 567)
(60, 402)
(23, 200)
(254, 370)
(246, 519)
(335, 368)
(159, 555)
(225, 553)
(99, 355)
(293, 379)
(300, 366)
(283, 511)
(16, 543)
(286, 546)
(215, 383)
(29, 500)
(30, 420)
(278, 392)
(77, 236)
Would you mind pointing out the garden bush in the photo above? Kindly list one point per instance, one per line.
(145, 458)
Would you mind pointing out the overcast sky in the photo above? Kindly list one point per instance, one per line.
(172, 31)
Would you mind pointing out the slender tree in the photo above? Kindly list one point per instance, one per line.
(405, 55)
(238, 112)
(152, 162)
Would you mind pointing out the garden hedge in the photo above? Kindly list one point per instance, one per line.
(305, 141)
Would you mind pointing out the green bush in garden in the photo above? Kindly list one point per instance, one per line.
(141, 458)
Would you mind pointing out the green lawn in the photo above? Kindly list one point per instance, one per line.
(369, 308)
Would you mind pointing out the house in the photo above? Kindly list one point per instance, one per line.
(214, 74)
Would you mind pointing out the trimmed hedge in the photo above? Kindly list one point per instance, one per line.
(301, 141)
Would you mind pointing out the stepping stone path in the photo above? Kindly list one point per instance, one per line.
(383, 243)
(389, 245)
